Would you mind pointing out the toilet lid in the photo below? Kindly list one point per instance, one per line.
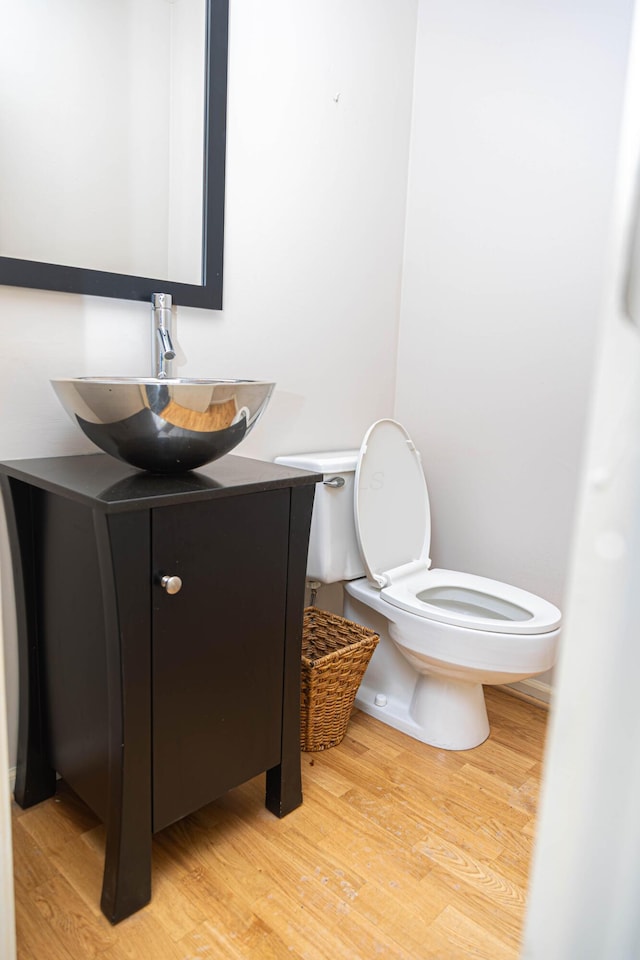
(393, 521)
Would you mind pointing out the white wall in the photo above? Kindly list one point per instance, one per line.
(318, 134)
(514, 136)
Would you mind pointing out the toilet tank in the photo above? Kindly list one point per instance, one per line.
(333, 545)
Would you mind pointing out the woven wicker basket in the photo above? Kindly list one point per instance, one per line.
(335, 655)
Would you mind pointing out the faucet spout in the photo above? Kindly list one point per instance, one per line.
(166, 345)
(161, 343)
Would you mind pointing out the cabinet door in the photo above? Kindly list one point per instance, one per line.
(218, 647)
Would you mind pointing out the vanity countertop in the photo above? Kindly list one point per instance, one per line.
(115, 487)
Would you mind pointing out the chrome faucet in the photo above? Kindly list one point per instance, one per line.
(162, 350)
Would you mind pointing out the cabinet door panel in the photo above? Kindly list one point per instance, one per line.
(217, 647)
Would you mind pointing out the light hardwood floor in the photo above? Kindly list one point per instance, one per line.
(399, 851)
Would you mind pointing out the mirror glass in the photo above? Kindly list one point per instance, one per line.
(112, 117)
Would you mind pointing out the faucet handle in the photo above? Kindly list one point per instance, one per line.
(161, 301)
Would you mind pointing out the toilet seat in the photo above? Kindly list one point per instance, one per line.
(467, 600)
(393, 526)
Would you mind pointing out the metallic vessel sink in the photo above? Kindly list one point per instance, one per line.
(164, 425)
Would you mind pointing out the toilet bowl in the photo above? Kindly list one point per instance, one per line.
(443, 633)
(436, 695)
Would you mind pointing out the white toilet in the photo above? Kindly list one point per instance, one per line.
(442, 633)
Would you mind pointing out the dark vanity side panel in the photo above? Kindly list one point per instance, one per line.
(35, 778)
(218, 648)
(73, 645)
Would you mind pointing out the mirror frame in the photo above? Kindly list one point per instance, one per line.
(52, 276)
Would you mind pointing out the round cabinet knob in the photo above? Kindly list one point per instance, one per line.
(171, 584)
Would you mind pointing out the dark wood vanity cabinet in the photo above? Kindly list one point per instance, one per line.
(150, 703)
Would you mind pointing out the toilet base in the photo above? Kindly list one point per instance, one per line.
(444, 713)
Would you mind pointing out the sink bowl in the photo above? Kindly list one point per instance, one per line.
(164, 426)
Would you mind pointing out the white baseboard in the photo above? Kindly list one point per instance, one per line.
(533, 689)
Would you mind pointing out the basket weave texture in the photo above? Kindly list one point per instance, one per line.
(335, 655)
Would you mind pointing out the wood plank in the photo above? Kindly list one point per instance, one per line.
(472, 871)
(463, 939)
(82, 865)
(141, 936)
(51, 831)
(31, 866)
(496, 920)
(34, 934)
(70, 921)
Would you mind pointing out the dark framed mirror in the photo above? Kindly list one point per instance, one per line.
(187, 37)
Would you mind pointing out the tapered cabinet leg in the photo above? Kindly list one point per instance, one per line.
(284, 782)
(284, 788)
(127, 870)
(122, 542)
